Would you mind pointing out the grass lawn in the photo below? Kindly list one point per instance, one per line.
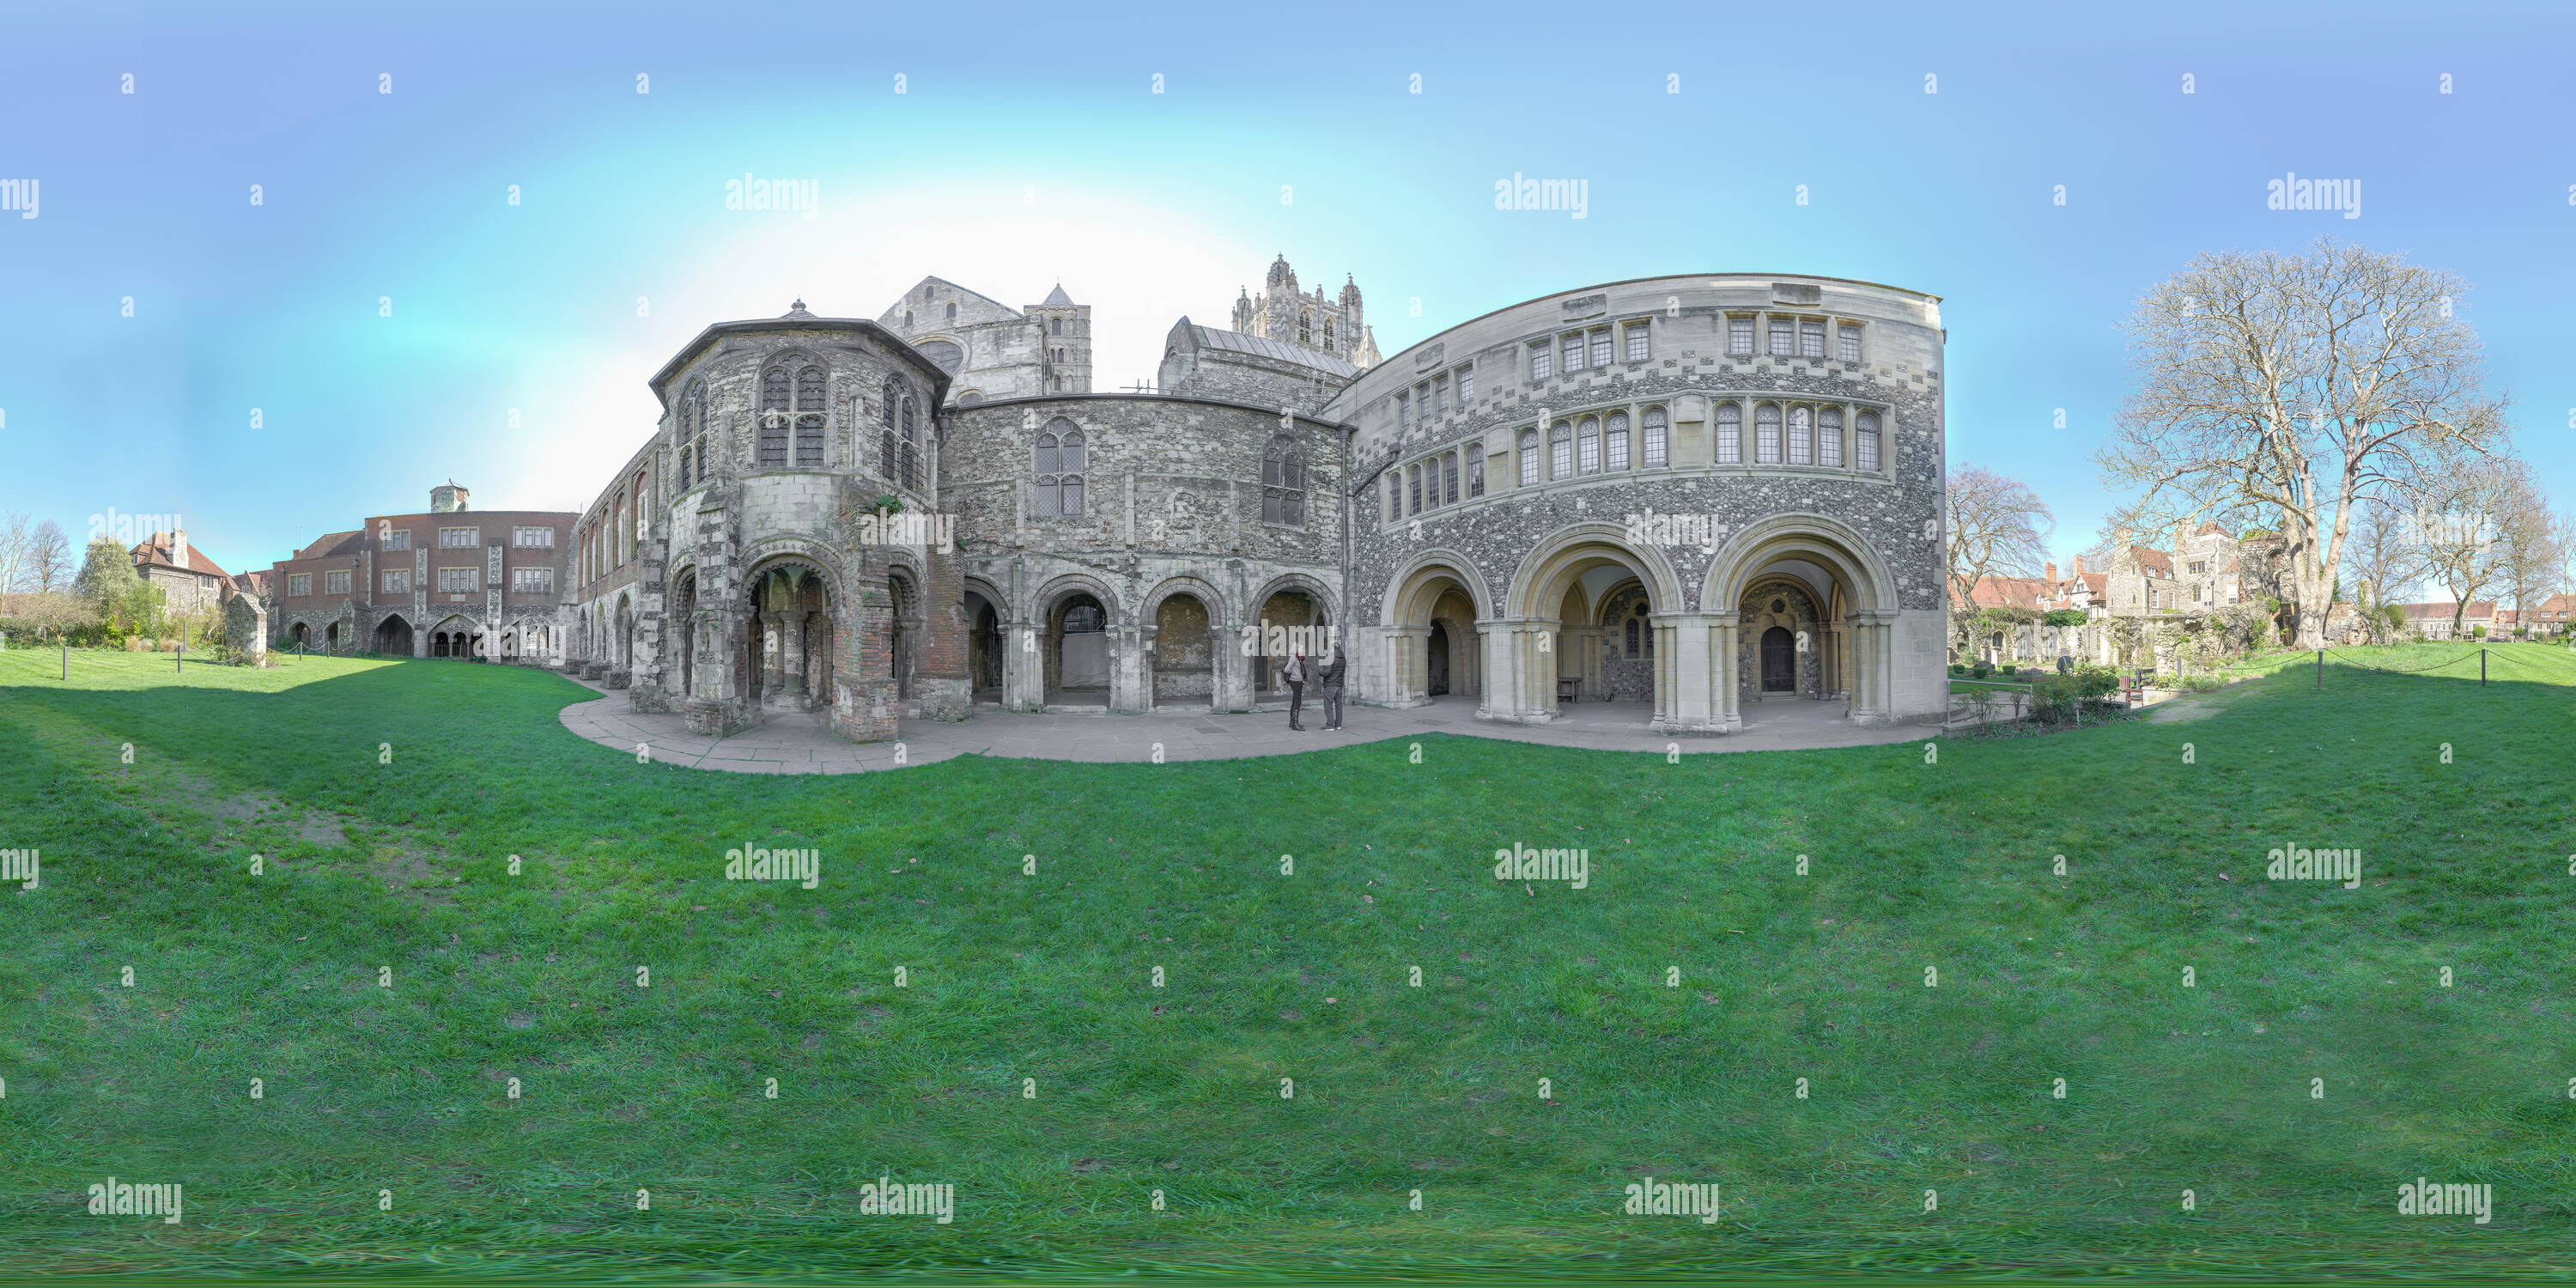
(1027, 1058)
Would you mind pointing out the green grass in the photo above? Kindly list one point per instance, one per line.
(1397, 1088)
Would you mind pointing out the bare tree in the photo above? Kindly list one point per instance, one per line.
(2295, 386)
(2531, 558)
(13, 550)
(2457, 526)
(49, 559)
(2383, 563)
(1997, 527)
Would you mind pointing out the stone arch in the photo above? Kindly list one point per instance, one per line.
(1852, 610)
(1538, 584)
(792, 606)
(1085, 665)
(988, 622)
(1433, 617)
(394, 635)
(1272, 611)
(1813, 537)
(1550, 654)
(1183, 654)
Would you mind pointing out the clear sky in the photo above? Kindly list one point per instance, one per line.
(1028, 146)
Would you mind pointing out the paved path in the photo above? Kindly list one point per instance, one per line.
(800, 744)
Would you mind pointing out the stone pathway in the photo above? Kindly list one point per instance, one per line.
(800, 744)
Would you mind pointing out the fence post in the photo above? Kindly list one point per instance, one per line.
(2321, 668)
(67, 659)
(178, 658)
(2482, 668)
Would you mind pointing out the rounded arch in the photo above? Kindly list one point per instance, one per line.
(1323, 597)
(1183, 584)
(767, 556)
(1538, 585)
(1425, 572)
(1829, 543)
(1055, 590)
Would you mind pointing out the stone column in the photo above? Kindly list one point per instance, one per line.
(768, 678)
(1023, 667)
(791, 653)
(1687, 699)
(1725, 686)
(1408, 673)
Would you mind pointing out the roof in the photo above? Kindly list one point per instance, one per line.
(155, 552)
(2008, 592)
(1209, 337)
(1056, 298)
(2478, 608)
(2156, 562)
(661, 381)
(329, 544)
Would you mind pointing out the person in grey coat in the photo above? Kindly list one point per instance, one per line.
(1330, 678)
(1293, 674)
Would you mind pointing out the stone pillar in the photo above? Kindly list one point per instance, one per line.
(766, 680)
(939, 652)
(1023, 667)
(790, 672)
(1686, 695)
(1233, 666)
(1408, 670)
(1128, 694)
(1524, 673)
(1726, 693)
(1871, 637)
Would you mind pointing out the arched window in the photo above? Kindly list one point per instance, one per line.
(907, 319)
(1413, 486)
(1059, 469)
(1656, 438)
(1449, 478)
(773, 416)
(1632, 637)
(687, 449)
(1614, 441)
(1587, 441)
(1056, 326)
(1766, 435)
(889, 460)
(952, 310)
(1328, 335)
(911, 446)
(1730, 434)
(1305, 326)
(1829, 437)
(1283, 483)
(1529, 457)
(809, 417)
(1865, 448)
(702, 436)
(1560, 451)
(1394, 494)
(1802, 437)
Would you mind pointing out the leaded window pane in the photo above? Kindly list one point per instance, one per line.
(1802, 438)
(1588, 446)
(1766, 435)
(1655, 437)
(1730, 435)
(1829, 437)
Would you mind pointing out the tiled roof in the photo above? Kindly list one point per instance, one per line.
(2008, 592)
(330, 544)
(156, 552)
(2479, 609)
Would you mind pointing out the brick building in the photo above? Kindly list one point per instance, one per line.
(447, 582)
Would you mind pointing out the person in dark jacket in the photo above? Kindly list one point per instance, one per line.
(1294, 675)
(1330, 677)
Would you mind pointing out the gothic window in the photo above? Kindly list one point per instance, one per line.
(1449, 478)
(1766, 435)
(1413, 487)
(1866, 439)
(809, 416)
(1529, 457)
(1057, 326)
(1059, 469)
(1305, 327)
(1655, 438)
(888, 459)
(687, 413)
(1475, 469)
(1588, 446)
(1829, 437)
(1394, 494)
(1283, 483)
(1560, 451)
(1730, 434)
(1614, 441)
(773, 416)
(1632, 637)
(1802, 437)
(1328, 335)
(911, 447)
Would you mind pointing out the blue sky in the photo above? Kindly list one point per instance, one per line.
(1028, 147)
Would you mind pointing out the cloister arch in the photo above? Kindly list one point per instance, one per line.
(1432, 618)
(1529, 642)
(1820, 588)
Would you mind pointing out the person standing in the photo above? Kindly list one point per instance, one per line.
(1330, 677)
(1294, 673)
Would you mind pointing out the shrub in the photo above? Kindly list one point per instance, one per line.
(2009, 668)
(2477, 632)
(1981, 670)
(2203, 683)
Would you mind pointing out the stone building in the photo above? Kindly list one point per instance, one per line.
(189, 581)
(1695, 494)
(448, 582)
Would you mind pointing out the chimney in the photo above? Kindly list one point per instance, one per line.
(2052, 572)
(2079, 565)
(179, 547)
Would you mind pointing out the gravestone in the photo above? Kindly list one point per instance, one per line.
(246, 631)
